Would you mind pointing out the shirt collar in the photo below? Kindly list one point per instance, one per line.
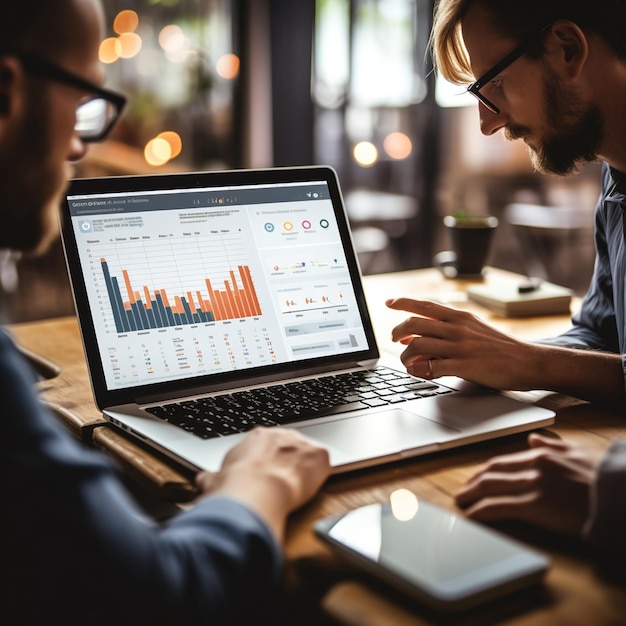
(619, 180)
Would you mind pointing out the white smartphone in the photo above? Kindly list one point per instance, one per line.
(443, 560)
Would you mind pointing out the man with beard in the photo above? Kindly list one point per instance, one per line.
(553, 73)
(75, 547)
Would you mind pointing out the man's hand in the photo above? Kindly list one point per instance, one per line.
(273, 470)
(548, 486)
(457, 343)
(441, 341)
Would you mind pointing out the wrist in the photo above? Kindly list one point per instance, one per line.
(268, 495)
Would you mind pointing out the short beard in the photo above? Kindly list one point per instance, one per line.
(574, 138)
(31, 184)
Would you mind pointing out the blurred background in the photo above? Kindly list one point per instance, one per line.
(225, 84)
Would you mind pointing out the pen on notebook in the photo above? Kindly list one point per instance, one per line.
(529, 285)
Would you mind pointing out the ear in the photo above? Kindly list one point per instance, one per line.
(12, 81)
(568, 48)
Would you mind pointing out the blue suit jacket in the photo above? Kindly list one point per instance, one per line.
(77, 548)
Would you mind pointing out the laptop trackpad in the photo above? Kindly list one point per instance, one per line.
(376, 434)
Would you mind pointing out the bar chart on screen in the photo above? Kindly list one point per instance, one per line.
(162, 282)
(154, 308)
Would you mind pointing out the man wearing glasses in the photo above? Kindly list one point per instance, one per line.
(75, 546)
(552, 73)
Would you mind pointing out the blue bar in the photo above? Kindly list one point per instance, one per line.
(156, 311)
(115, 298)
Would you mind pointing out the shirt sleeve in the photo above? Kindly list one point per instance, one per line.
(600, 324)
(79, 547)
(594, 326)
(607, 525)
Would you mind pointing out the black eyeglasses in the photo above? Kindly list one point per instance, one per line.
(96, 115)
(510, 58)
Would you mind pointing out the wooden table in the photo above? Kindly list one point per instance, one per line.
(318, 583)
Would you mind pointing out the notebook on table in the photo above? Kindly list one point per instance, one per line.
(211, 302)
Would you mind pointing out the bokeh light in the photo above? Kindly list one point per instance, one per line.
(110, 50)
(174, 141)
(130, 44)
(157, 151)
(397, 145)
(404, 504)
(172, 38)
(365, 153)
(227, 66)
(125, 22)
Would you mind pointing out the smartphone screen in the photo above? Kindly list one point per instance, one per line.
(435, 555)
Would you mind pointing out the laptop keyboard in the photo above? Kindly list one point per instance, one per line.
(241, 411)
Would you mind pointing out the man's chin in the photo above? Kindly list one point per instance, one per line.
(543, 165)
(37, 243)
(538, 162)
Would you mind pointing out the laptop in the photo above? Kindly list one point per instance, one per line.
(211, 302)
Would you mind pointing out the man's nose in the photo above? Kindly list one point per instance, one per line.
(78, 149)
(490, 122)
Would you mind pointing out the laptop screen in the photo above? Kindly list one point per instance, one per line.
(187, 276)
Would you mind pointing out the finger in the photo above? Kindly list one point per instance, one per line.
(420, 347)
(428, 368)
(515, 462)
(507, 508)
(419, 327)
(205, 481)
(436, 346)
(410, 328)
(413, 353)
(421, 367)
(413, 360)
(497, 484)
(535, 440)
(540, 446)
(426, 308)
(405, 304)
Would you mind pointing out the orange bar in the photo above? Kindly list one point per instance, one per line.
(222, 305)
(192, 306)
(209, 308)
(201, 301)
(163, 295)
(247, 279)
(146, 293)
(243, 298)
(229, 301)
(178, 308)
(129, 288)
(246, 292)
(218, 311)
(233, 289)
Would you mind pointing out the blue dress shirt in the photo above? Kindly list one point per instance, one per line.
(600, 323)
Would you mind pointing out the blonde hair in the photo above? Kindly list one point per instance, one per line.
(519, 20)
(450, 57)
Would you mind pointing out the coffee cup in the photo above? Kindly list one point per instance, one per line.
(470, 236)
